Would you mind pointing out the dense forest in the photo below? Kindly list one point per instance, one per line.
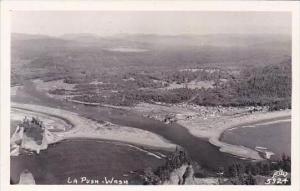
(242, 173)
(256, 86)
(252, 70)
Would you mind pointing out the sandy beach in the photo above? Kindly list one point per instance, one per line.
(203, 122)
(213, 129)
(89, 129)
(238, 123)
(211, 122)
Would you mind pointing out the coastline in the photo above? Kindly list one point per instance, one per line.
(211, 122)
(210, 128)
(84, 128)
(215, 135)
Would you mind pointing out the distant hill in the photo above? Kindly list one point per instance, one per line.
(89, 52)
(22, 36)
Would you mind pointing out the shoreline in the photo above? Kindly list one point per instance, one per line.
(209, 123)
(211, 131)
(240, 150)
(258, 123)
(139, 147)
(214, 136)
(84, 128)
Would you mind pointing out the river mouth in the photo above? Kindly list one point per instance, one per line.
(94, 159)
(199, 149)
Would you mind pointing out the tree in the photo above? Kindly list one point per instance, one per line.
(249, 180)
(266, 169)
(150, 178)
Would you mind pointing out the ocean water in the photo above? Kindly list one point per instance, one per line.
(275, 136)
(74, 159)
(200, 150)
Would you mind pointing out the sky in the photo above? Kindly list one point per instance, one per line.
(108, 23)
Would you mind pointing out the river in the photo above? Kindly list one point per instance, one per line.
(200, 150)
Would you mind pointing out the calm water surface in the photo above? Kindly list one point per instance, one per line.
(200, 150)
(83, 158)
(276, 137)
(91, 158)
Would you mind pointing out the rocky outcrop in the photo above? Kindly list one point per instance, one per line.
(31, 144)
(182, 176)
(185, 176)
(30, 135)
(26, 177)
(177, 170)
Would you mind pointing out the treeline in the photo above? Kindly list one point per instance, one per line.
(33, 128)
(161, 174)
(258, 86)
(269, 85)
(239, 173)
(200, 74)
(247, 173)
(131, 97)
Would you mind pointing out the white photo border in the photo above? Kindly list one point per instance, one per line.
(180, 5)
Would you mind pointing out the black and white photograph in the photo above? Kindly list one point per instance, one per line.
(120, 97)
